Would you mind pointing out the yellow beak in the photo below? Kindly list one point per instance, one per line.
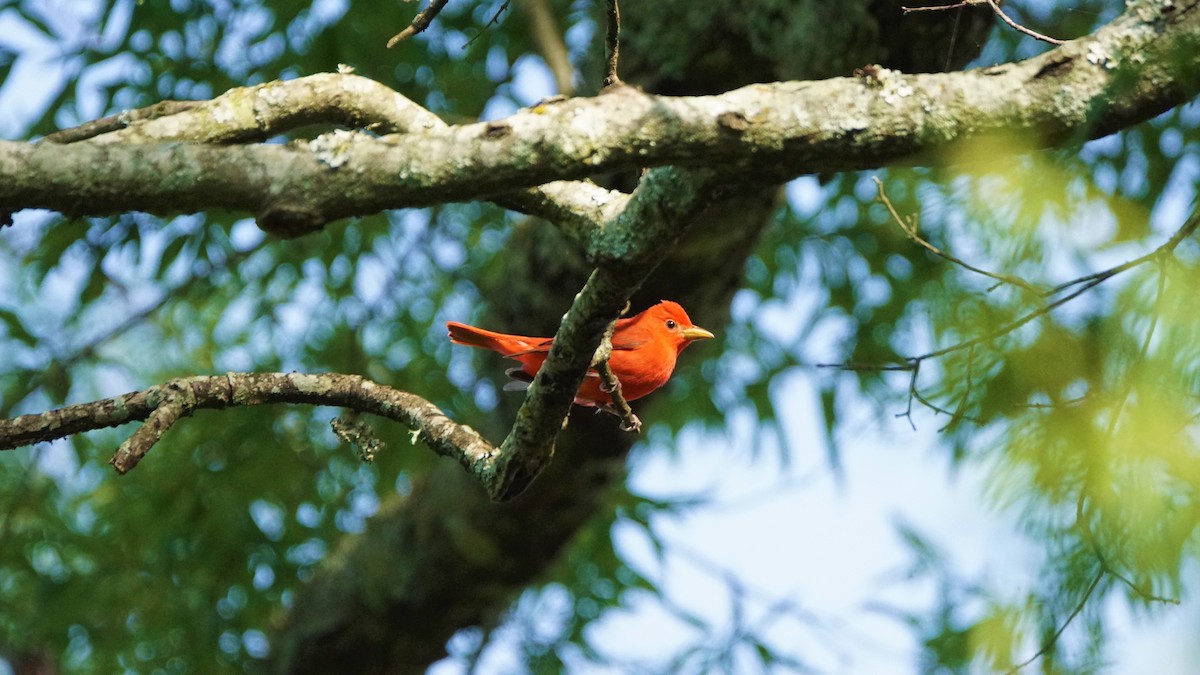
(696, 333)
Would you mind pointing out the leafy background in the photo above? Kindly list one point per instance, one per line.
(182, 567)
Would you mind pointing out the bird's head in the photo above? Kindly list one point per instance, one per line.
(669, 317)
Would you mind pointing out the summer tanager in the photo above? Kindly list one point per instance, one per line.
(644, 349)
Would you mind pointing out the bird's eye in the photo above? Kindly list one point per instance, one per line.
(670, 324)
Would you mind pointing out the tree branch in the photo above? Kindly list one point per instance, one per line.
(612, 43)
(255, 114)
(161, 405)
(419, 23)
(1126, 72)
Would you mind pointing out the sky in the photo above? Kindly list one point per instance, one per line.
(817, 557)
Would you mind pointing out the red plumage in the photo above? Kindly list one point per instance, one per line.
(644, 350)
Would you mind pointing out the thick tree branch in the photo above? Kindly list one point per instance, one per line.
(1136, 67)
(255, 114)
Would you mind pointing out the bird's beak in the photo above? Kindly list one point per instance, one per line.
(696, 333)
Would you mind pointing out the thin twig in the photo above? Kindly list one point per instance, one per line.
(939, 8)
(1053, 640)
(1089, 536)
(610, 383)
(419, 23)
(1088, 282)
(1022, 29)
(1081, 519)
(1161, 252)
(612, 44)
(910, 230)
(1081, 516)
(867, 367)
(612, 386)
(912, 394)
(491, 22)
(959, 413)
(995, 9)
(119, 121)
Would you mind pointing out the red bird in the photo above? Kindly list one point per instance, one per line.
(644, 349)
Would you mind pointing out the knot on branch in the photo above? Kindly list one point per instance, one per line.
(290, 220)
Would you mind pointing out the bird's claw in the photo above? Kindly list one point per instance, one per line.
(632, 424)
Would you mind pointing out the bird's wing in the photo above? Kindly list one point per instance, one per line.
(543, 346)
(627, 342)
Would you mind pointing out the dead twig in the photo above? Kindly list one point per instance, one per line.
(119, 121)
(612, 44)
(995, 6)
(161, 406)
(491, 22)
(419, 23)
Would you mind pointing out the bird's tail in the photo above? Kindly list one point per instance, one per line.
(508, 345)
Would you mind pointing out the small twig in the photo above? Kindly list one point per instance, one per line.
(953, 40)
(1053, 640)
(995, 9)
(867, 367)
(910, 230)
(491, 22)
(1085, 529)
(939, 8)
(1081, 520)
(612, 44)
(1022, 29)
(175, 404)
(612, 386)
(959, 413)
(419, 23)
(1088, 282)
(119, 121)
(912, 394)
(1159, 253)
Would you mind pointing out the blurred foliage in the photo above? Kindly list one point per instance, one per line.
(1085, 415)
